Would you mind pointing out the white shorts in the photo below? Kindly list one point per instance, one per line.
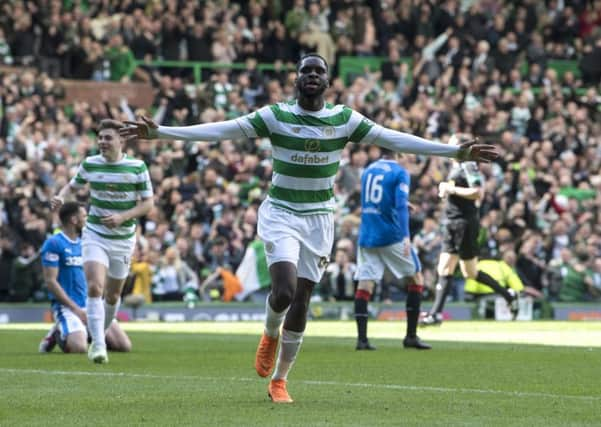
(304, 240)
(68, 322)
(371, 262)
(115, 255)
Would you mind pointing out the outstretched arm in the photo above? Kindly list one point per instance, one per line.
(218, 131)
(148, 129)
(57, 201)
(365, 131)
(449, 189)
(407, 143)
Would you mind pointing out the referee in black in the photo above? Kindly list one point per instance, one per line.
(462, 191)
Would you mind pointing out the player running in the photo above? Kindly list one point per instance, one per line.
(66, 283)
(120, 192)
(296, 219)
(385, 242)
(462, 191)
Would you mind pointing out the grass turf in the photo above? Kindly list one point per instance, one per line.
(202, 374)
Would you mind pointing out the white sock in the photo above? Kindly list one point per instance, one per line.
(52, 330)
(95, 311)
(109, 312)
(273, 320)
(289, 347)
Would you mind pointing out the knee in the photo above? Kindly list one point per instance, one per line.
(443, 269)
(281, 296)
(111, 298)
(95, 286)
(283, 279)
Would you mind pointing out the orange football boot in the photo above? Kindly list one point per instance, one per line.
(278, 393)
(265, 357)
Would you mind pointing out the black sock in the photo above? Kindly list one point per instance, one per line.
(361, 318)
(412, 304)
(443, 287)
(485, 278)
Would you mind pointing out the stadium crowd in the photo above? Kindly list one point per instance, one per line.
(542, 208)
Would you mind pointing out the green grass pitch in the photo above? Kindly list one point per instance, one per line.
(201, 374)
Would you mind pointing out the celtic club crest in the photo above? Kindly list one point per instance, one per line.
(312, 145)
(329, 131)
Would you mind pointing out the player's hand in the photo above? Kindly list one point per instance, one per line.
(145, 129)
(56, 202)
(444, 189)
(407, 248)
(472, 151)
(112, 221)
(81, 313)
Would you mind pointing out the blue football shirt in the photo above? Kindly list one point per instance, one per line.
(65, 254)
(384, 204)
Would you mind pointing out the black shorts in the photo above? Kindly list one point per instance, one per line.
(461, 237)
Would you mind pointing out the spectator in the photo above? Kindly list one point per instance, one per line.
(218, 254)
(338, 283)
(548, 187)
(5, 56)
(198, 43)
(428, 244)
(590, 64)
(174, 278)
(576, 278)
(142, 272)
(25, 275)
(296, 18)
(121, 59)
(222, 50)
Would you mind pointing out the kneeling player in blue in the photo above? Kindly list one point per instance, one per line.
(384, 243)
(63, 273)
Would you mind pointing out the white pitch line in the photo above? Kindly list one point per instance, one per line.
(308, 382)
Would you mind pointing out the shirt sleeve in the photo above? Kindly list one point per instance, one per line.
(80, 178)
(254, 125)
(50, 254)
(218, 131)
(362, 130)
(472, 174)
(401, 195)
(407, 143)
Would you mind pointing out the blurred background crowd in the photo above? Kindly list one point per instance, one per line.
(476, 67)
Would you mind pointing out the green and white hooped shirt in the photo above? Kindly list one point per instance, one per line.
(114, 187)
(306, 149)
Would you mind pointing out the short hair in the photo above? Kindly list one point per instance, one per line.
(311, 55)
(67, 210)
(110, 124)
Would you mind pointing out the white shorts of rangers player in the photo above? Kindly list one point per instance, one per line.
(400, 259)
(114, 254)
(68, 322)
(304, 240)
